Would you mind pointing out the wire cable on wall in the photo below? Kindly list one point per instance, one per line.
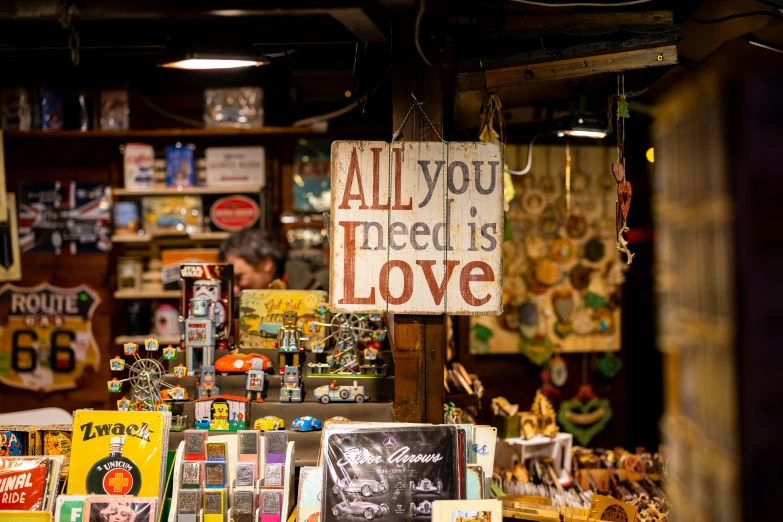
(773, 14)
(582, 4)
(529, 159)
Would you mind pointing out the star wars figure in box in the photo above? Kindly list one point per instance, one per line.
(210, 289)
(198, 333)
(255, 380)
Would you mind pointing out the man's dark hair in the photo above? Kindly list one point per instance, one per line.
(253, 245)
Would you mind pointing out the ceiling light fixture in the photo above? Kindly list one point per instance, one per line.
(211, 58)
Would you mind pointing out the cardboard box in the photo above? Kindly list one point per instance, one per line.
(172, 259)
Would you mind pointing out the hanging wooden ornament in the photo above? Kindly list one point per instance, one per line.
(546, 388)
(563, 250)
(538, 350)
(558, 371)
(576, 227)
(609, 365)
(585, 415)
(618, 171)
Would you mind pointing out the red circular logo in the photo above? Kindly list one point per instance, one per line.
(234, 213)
(118, 482)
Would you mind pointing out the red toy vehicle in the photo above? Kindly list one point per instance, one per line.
(240, 363)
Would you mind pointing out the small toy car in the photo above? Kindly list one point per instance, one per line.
(306, 424)
(333, 393)
(240, 363)
(270, 422)
(338, 419)
(358, 507)
(426, 487)
(422, 510)
(367, 487)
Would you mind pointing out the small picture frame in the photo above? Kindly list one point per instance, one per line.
(102, 508)
(467, 511)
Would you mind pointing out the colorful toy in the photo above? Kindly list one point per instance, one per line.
(349, 332)
(130, 348)
(222, 413)
(339, 419)
(207, 384)
(151, 344)
(289, 340)
(146, 377)
(270, 422)
(255, 380)
(306, 424)
(169, 353)
(180, 372)
(215, 283)
(114, 385)
(240, 363)
(123, 404)
(117, 364)
(198, 333)
(333, 393)
(291, 389)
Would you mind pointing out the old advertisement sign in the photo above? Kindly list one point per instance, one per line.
(417, 228)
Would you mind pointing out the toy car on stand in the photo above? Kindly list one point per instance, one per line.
(367, 487)
(368, 510)
(306, 424)
(334, 393)
(240, 363)
(270, 422)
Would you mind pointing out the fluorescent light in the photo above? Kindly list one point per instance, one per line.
(211, 63)
(582, 133)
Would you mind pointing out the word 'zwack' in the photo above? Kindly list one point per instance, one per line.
(418, 228)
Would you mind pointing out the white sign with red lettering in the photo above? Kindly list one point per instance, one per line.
(417, 229)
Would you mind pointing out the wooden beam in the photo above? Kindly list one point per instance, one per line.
(557, 22)
(567, 69)
(419, 340)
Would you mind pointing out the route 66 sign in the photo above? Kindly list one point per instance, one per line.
(46, 339)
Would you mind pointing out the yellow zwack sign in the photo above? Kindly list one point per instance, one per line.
(46, 340)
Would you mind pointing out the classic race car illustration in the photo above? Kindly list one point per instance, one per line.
(367, 487)
(422, 510)
(426, 486)
(306, 424)
(240, 363)
(270, 422)
(358, 507)
(334, 393)
(58, 226)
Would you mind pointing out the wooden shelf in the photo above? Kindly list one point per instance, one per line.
(132, 294)
(196, 236)
(164, 340)
(155, 133)
(188, 191)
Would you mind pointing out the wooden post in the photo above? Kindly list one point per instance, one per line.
(419, 339)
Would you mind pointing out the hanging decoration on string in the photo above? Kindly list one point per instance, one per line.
(559, 371)
(609, 365)
(419, 232)
(624, 192)
(585, 415)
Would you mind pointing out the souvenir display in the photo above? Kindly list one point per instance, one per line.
(70, 218)
(290, 341)
(585, 415)
(222, 413)
(233, 213)
(115, 114)
(255, 379)
(139, 166)
(44, 329)
(275, 444)
(235, 107)
(557, 261)
(195, 445)
(163, 215)
(119, 453)
(180, 165)
(349, 332)
(365, 475)
(291, 385)
(29, 483)
(189, 506)
(249, 442)
(235, 166)
(214, 506)
(243, 506)
(312, 181)
(261, 314)
(10, 260)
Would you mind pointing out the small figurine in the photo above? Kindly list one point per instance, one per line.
(207, 386)
(151, 344)
(371, 350)
(178, 393)
(379, 335)
(114, 385)
(289, 340)
(124, 404)
(210, 289)
(323, 308)
(306, 424)
(255, 380)
(117, 364)
(291, 390)
(270, 422)
(313, 327)
(318, 347)
(169, 353)
(131, 348)
(218, 415)
(180, 372)
(198, 333)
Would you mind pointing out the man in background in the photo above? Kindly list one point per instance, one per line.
(259, 259)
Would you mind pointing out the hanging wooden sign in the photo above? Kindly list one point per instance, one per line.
(417, 227)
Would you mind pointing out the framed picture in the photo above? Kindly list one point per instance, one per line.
(467, 511)
(110, 509)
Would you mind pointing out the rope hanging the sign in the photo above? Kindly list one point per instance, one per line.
(418, 104)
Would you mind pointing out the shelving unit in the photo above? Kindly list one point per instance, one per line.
(159, 133)
(187, 191)
(196, 236)
(162, 294)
